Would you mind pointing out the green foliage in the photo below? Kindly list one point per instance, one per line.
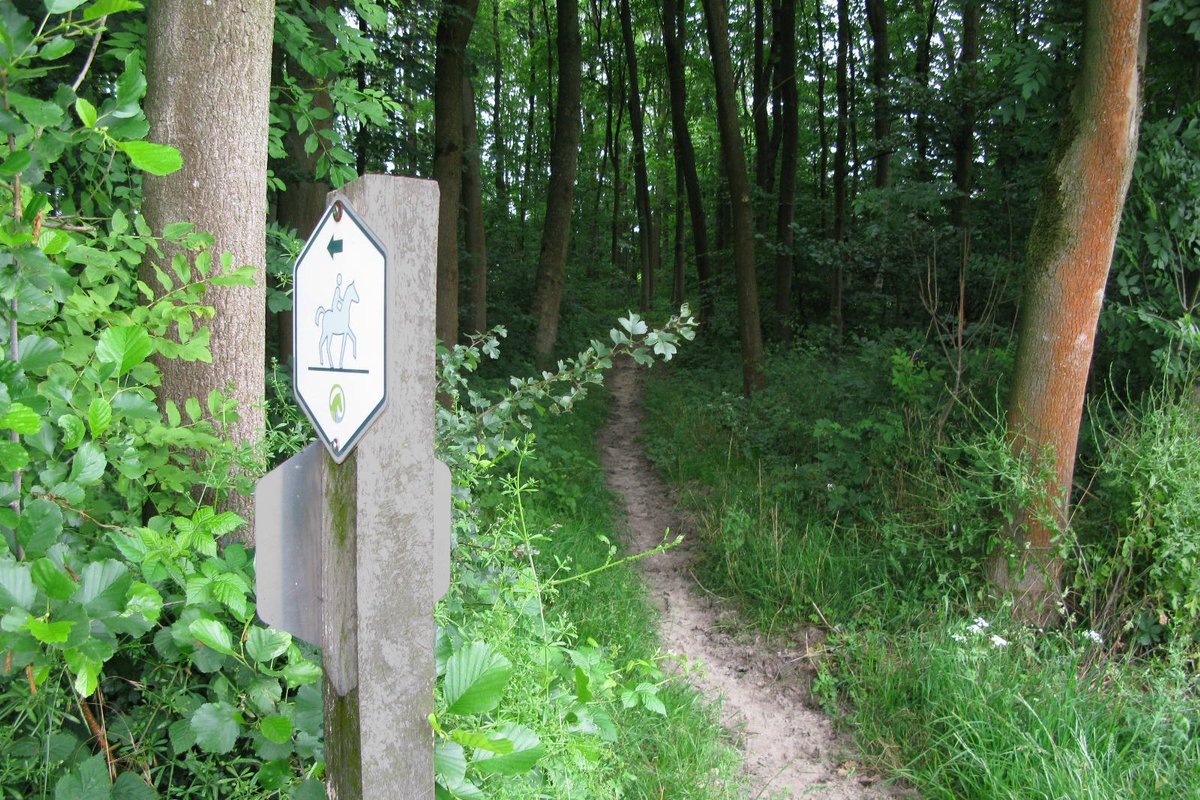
(992, 709)
(116, 603)
(1149, 325)
(1144, 571)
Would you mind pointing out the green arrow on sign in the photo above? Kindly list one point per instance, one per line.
(335, 246)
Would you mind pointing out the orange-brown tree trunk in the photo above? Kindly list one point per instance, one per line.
(1070, 250)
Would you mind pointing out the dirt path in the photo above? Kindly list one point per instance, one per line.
(791, 750)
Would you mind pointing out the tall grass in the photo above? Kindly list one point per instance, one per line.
(803, 527)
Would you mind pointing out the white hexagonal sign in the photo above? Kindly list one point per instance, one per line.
(339, 324)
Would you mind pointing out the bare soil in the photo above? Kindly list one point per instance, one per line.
(790, 747)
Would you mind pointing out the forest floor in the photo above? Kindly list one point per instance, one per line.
(790, 747)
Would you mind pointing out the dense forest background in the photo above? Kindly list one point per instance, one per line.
(876, 213)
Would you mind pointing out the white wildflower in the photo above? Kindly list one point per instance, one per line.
(979, 626)
(958, 637)
(999, 641)
(1094, 636)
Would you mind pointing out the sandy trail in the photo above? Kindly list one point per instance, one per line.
(790, 748)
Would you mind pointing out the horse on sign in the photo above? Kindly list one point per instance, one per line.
(336, 322)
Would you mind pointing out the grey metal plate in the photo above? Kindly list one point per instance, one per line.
(288, 502)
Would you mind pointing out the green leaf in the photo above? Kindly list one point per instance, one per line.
(13, 456)
(264, 644)
(16, 163)
(102, 8)
(89, 782)
(527, 749)
(157, 159)
(50, 579)
(277, 729)
(449, 762)
(86, 668)
(144, 599)
(103, 587)
(100, 415)
(57, 47)
(22, 419)
(212, 633)
(192, 407)
(40, 525)
(174, 231)
(73, 430)
(88, 464)
(50, 632)
(130, 786)
(300, 673)
(36, 354)
(16, 586)
(482, 740)
(275, 775)
(126, 346)
(216, 727)
(40, 113)
(475, 679)
(86, 112)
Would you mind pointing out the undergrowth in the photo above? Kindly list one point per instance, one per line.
(854, 495)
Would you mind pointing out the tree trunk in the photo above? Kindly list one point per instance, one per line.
(964, 137)
(453, 29)
(647, 241)
(498, 145)
(822, 123)
(209, 80)
(618, 186)
(560, 195)
(880, 68)
(734, 157)
(677, 285)
(685, 154)
(764, 60)
(1070, 251)
(790, 125)
(921, 68)
(472, 190)
(839, 164)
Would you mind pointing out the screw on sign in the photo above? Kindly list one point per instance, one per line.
(339, 323)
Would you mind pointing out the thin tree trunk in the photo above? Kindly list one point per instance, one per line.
(453, 30)
(880, 69)
(618, 186)
(822, 122)
(761, 89)
(839, 164)
(749, 326)
(498, 145)
(685, 154)
(921, 126)
(786, 212)
(560, 195)
(647, 241)
(1070, 251)
(209, 70)
(473, 211)
(964, 138)
(677, 285)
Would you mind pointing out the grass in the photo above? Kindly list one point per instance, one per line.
(572, 528)
(926, 691)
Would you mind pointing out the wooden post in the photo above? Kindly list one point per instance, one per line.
(378, 550)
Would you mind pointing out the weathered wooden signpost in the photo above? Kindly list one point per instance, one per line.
(353, 536)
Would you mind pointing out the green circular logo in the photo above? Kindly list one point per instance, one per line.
(337, 403)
